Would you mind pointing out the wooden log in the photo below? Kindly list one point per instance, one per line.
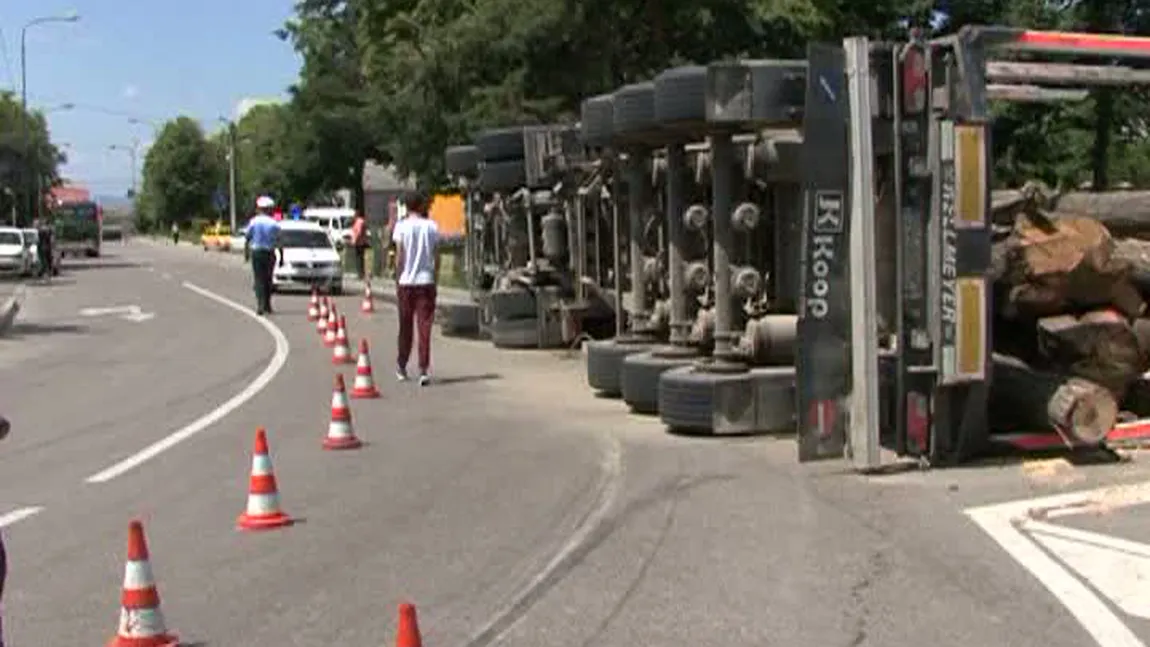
(1125, 213)
(1023, 399)
(1100, 346)
(1049, 267)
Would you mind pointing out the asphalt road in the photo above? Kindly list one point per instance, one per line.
(508, 503)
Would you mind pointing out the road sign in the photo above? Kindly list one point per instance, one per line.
(220, 199)
(296, 212)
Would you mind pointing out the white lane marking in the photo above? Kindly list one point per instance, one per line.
(279, 358)
(503, 622)
(18, 515)
(1007, 524)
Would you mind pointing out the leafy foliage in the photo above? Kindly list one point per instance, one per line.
(22, 174)
(182, 171)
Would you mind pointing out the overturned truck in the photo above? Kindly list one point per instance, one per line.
(810, 247)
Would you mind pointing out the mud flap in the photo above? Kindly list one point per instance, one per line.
(823, 358)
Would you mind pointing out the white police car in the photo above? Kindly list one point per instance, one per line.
(307, 258)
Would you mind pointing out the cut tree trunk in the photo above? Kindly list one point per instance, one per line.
(1100, 346)
(1051, 267)
(1025, 399)
(1125, 213)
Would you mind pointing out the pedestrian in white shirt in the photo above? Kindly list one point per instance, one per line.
(416, 238)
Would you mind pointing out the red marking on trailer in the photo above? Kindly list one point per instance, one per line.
(1075, 40)
(822, 416)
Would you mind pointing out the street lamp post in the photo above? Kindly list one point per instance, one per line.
(34, 200)
(231, 125)
(132, 152)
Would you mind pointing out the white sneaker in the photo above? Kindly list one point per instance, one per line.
(401, 374)
(424, 379)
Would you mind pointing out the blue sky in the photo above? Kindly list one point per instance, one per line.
(146, 60)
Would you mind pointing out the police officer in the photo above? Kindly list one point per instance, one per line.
(262, 239)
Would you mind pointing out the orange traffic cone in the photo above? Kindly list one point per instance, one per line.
(263, 510)
(407, 630)
(329, 332)
(141, 621)
(321, 321)
(364, 385)
(340, 434)
(313, 306)
(340, 353)
(368, 306)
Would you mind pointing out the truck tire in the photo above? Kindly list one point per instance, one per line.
(639, 376)
(634, 108)
(689, 398)
(459, 319)
(597, 120)
(681, 95)
(605, 362)
(512, 304)
(501, 176)
(500, 144)
(515, 333)
(461, 160)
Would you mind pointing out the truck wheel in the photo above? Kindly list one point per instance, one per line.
(681, 95)
(512, 304)
(504, 175)
(459, 319)
(597, 122)
(461, 160)
(640, 373)
(515, 333)
(499, 144)
(760, 400)
(605, 363)
(634, 109)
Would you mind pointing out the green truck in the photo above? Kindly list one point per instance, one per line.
(78, 228)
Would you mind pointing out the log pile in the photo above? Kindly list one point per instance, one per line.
(1072, 332)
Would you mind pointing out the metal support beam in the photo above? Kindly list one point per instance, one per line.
(863, 400)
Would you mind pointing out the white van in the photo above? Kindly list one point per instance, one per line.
(336, 221)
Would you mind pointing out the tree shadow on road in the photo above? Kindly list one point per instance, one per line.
(464, 379)
(101, 264)
(19, 330)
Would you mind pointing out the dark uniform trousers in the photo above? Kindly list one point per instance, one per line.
(263, 264)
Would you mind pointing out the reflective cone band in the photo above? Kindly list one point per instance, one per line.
(341, 354)
(340, 434)
(141, 621)
(407, 629)
(263, 511)
(368, 305)
(364, 384)
(321, 321)
(313, 306)
(332, 327)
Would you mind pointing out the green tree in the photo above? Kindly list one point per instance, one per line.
(329, 100)
(181, 172)
(275, 155)
(29, 166)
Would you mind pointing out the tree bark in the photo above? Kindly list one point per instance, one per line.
(1029, 400)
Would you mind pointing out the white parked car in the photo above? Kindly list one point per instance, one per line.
(308, 258)
(336, 221)
(14, 255)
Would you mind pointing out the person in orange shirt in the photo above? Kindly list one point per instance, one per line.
(359, 244)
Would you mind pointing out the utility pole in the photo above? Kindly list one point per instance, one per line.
(232, 174)
(132, 152)
(31, 184)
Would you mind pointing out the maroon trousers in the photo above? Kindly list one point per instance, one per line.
(416, 306)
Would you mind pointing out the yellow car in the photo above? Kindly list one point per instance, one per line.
(216, 236)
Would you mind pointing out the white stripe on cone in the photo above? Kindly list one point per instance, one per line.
(339, 429)
(339, 400)
(341, 351)
(138, 575)
(261, 465)
(263, 505)
(142, 623)
(362, 383)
